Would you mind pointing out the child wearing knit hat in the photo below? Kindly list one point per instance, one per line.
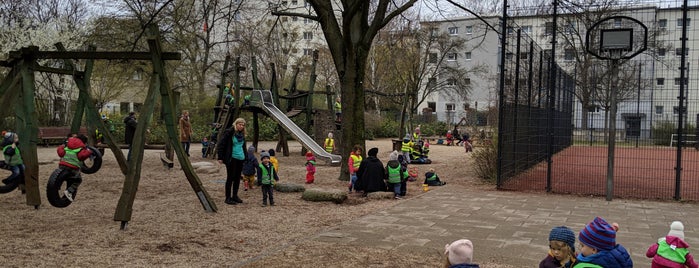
(561, 248)
(599, 247)
(459, 254)
(671, 250)
(266, 175)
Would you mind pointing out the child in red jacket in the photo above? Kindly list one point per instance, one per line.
(72, 154)
(310, 167)
(671, 250)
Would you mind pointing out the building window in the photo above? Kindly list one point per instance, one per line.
(523, 55)
(527, 29)
(467, 81)
(548, 28)
(294, 2)
(451, 107)
(453, 30)
(307, 35)
(510, 30)
(432, 82)
(569, 55)
(508, 55)
(677, 81)
(617, 23)
(451, 56)
(680, 24)
(137, 75)
(451, 82)
(661, 52)
(236, 16)
(467, 55)
(306, 20)
(676, 110)
(433, 58)
(432, 105)
(294, 18)
(307, 51)
(469, 29)
(285, 3)
(660, 81)
(662, 24)
(678, 51)
(658, 109)
(570, 27)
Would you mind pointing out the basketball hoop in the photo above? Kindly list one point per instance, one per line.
(613, 38)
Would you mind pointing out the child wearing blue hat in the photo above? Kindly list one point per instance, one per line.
(561, 249)
(599, 247)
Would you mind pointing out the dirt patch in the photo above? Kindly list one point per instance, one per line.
(170, 228)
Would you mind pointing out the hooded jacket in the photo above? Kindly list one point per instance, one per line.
(251, 163)
(370, 175)
(73, 148)
(662, 262)
(616, 257)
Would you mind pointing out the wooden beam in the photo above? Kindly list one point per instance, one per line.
(95, 55)
(27, 124)
(45, 69)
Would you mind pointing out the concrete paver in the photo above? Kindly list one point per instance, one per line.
(510, 227)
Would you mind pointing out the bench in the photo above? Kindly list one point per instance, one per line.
(690, 140)
(48, 134)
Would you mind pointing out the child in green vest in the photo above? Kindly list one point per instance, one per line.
(13, 159)
(266, 175)
(671, 250)
(432, 179)
(72, 153)
(395, 174)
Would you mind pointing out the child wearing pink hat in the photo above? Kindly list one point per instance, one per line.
(671, 251)
(310, 167)
(599, 247)
(459, 254)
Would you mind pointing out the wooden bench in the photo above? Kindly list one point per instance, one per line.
(49, 134)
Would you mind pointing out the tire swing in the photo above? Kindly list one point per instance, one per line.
(54, 192)
(6, 188)
(95, 158)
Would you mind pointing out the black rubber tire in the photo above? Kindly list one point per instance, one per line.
(96, 158)
(53, 188)
(6, 188)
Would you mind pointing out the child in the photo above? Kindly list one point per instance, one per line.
(413, 173)
(450, 138)
(459, 254)
(353, 162)
(72, 154)
(395, 175)
(561, 248)
(432, 179)
(204, 147)
(310, 167)
(599, 247)
(329, 143)
(249, 169)
(273, 159)
(13, 159)
(671, 250)
(406, 147)
(467, 142)
(265, 178)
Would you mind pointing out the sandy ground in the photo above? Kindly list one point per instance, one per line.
(170, 228)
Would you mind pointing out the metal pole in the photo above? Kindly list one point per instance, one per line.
(501, 96)
(612, 132)
(551, 99)
(681, 98)
(638, 105)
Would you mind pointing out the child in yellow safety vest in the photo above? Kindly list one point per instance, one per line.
(671, 250)
(72, 153)
(353, 162)
(329, 143)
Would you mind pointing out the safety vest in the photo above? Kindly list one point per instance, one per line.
(338, 107)
(432, 178)
(98, 134)
(677, 255)
(416, 137)
(416, 154)
(14, 160)
(267, 175)
(406, 146)
(393, 174)
(71, 156)
(356, 160)
(329, 145)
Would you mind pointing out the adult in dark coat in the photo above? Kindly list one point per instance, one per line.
(371, 174)
(232, 152)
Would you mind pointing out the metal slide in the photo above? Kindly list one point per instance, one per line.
(263, 99)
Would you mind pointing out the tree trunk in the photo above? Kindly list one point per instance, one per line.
(352, 91)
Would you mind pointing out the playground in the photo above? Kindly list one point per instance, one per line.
(172, 228)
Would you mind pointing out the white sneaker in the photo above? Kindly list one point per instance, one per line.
(68, 195)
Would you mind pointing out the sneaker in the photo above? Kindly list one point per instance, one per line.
(398, 197)
(68, 195)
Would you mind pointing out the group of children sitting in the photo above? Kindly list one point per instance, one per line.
(598, 248)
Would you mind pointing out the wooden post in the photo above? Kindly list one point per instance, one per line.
(27, 125)
(9, 92)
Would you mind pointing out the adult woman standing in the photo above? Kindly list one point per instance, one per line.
(232, 153)
(185, 131)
